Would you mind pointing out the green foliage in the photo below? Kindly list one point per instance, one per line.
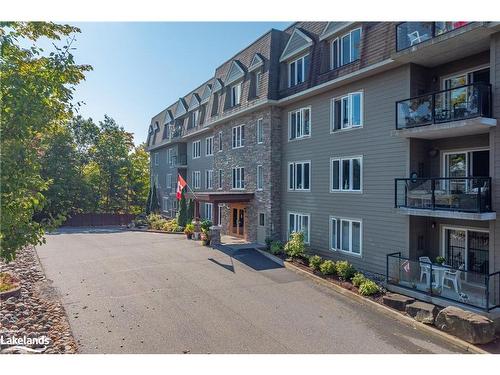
(440, 260)
(36, 95)
(358, 279)
(315, 262)
(328, 268)
(276, 247)
(345, 270)
(190, 211)
(152, 204)
(182, 217)
(295, 247)
(368, 288)
(205, 226)
(158, 222)
(268, 242)
(189, 229)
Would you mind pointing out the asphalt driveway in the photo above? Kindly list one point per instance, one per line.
(134, 292)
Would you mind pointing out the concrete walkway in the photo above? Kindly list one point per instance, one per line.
(135, 292)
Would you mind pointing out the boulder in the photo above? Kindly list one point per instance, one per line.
(471, 327)
(397, 301)
(422, 312)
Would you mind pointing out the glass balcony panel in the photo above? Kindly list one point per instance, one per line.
(412, 33)
(415, 112)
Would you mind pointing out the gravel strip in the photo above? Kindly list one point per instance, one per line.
(37, 312)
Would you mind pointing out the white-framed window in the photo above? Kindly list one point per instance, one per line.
(299, 222)
(155, 180)
(350, 46)
(209, 146)
(334, 53)
(262, 219)
(238, 175)
(169, 156)
(297, 70)
(164, 205)
(196, 149)
(208, 211)
(195, 117)
(156, 158)
(220, 141)
(238, 133)
(347, 111)
(175, 205)
(219, 215)
(258, 77)
(196, 179)
(169, 181)
(346, 174)
(209, 179)
(235, 94)
(260, 177)
(346, 235)
(299, 176)
(260, 131)
(299, 123)
(220, 179)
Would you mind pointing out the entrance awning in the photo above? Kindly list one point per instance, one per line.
(221, 196)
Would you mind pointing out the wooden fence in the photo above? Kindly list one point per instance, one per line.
(97, 220)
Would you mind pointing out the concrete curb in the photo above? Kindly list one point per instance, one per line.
(384, 309)
(153, 231)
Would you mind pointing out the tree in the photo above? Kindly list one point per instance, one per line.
(152, 205)
(36, 94)
(138, 184)
(182, 217)
(190, 211)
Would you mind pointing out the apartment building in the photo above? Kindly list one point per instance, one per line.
(375, 139)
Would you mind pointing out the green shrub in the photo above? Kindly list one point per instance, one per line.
(315, 262)
(276, 247)
(368, 288)
(269, 241)
(328, 268)
(358, 279)
(189, 229)
(345, 270)
(295, 248)
(205, 226)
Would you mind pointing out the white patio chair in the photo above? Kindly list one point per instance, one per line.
(415, 37)
(454, 277)
(425, 268)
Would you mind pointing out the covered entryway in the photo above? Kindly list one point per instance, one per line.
(237, 220)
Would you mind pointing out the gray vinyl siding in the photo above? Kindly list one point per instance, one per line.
(384, 158)
(201, 164)
(162, 169)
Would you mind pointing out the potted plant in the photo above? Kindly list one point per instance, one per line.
(189, 230)
(440, 260)
(205, 232)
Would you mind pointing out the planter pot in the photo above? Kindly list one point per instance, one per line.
(189, 236)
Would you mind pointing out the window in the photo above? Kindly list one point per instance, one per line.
(260, 131)
(156, 180)
(346, 174)
(209, 178)
(165, 204)
(196, 179)
(219, 215)
(238, 136)
(262, 219)
(349, 47)
(195, 117)
(299, 123)
(220, 178)
(169, 181)
(299, 176)
(238, 178)
(345, 235)
(260, 177)
(174, 204)
(196, 149)
(209, 146)
(156, 159)
(169, 156)
(299, 223)
(335, 54)
(347, 111)
(235, 94)
(297, 70)
(208, 211)
(258, 76)
(220, 141)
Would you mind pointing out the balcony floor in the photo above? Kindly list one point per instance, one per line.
(482, 216)
(477, 125)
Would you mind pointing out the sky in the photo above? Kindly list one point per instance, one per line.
(141, 68)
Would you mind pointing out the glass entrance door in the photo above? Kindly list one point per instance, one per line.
(468, 248)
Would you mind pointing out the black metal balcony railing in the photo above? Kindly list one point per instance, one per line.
(464, 194)
(456, 284)
(459, 103)
(179, 160)
(409, 34)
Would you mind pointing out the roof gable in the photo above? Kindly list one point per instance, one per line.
(257, 62)
(333, 28)
(297, 43)
(207, 91)
(180, 109)
(168, 117)
(194, 102)
(218, 85)
(236, 71)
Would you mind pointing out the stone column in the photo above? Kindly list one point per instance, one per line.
(215, 214)
(197, 228)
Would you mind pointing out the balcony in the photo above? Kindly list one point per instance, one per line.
(447, 197)
(459, 111)
(409, 34)
(179, 161)
(443, 284)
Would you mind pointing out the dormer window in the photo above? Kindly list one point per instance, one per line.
(350, 46)
(297, 70)
(195, 117)
(235, 93)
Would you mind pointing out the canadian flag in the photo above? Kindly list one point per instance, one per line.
(181, 184)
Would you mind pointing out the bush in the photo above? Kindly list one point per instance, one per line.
(205, 226)
(171, 226)
(358, 279)
(345, 270)
(189, 229)
(269, 241)
(295, 248)
(328, 268)
(276, 247)
(315, 262)
(368, 288)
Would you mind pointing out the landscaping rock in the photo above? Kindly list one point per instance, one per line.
(422, 312)
(471, 327)
(397, 301)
